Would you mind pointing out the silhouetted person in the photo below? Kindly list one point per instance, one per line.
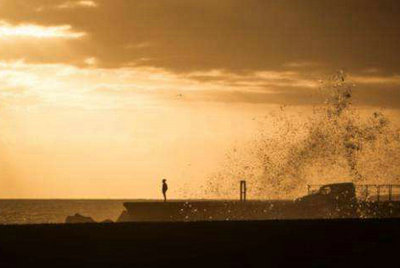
(164, 189)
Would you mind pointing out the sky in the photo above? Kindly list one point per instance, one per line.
(104, 98)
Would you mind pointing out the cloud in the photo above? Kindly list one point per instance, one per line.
(92, 61)
(141, 45)
(65, 85)
(256, 80)
(75, 4)
(379, 80)
(9, 31)
(301, 64)
(231, 35)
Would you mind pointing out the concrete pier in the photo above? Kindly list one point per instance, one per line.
(207, 210)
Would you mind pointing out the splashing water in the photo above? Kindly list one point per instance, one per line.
(335, 144)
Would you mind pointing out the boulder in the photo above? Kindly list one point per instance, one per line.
(107, 221)
(124, 217)
(78, 218)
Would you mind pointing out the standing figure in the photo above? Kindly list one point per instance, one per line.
(164, 189)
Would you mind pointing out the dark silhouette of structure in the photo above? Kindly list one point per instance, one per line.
(371, 192)
(164, 189)
(330, 201)
(243, 191)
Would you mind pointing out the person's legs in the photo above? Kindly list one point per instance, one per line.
(165, 197)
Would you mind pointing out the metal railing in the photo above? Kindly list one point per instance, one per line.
(369, 192)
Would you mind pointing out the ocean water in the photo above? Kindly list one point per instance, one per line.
(55, 211)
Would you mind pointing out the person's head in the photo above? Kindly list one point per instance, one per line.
(164, 180)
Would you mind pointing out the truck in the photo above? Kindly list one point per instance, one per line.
(329, 201)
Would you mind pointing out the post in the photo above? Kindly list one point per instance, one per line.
(366, 192)
(243, 190)
(308, 189)
(378, 189)
(390, 192)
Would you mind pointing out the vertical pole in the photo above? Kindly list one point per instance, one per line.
(366, 192)
(390, 192)
(308, 189)
(243, 190)
(378, 192)
(240, 191)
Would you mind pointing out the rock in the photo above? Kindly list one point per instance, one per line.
(124, 217)
(107, 221)
(78, 218)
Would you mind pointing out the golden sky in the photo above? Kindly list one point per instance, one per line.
(104, 98)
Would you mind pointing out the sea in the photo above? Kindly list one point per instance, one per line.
(56, 211)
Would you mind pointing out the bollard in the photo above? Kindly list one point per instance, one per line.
(243, 190)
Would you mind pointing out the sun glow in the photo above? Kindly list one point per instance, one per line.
(36, 31)
(70, 4)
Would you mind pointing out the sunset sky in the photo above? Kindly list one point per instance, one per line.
(104, 98)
